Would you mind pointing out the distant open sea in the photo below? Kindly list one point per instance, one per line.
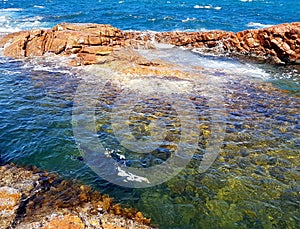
(255, 181)
(156, 15)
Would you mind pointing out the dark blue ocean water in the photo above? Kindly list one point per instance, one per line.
(157, 15)
(255, 181)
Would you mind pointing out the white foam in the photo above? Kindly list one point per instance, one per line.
(168, 18)
(8, 72)
(10, 21)
(53, 68)
(163, 45)
(203, 30)
(31, 24)
(131, 177)
(189, 19)
(186, 58)
(207, 7)
(35, 18)
(11, 9)
(48, 63)
(121, 156)
(9, 29)
(40, 7)
(245, 0)
(232, 67)
(6, 26)
(258, 25)
(3, 18)
(203, 7)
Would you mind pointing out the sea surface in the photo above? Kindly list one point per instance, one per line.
(255, 180)
(233, 15)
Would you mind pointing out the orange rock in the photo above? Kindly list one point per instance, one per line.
(88, 59)
(117, 209)
(67, 39)
(65, 222)
(80, 207)
(99, 50)
(94, 40)
(35, 47)
(14, 44)
(111, 226)
(109, 222)
(9, 37)
(57, 42)
(106, 202)
(9, 203)
(139, 215)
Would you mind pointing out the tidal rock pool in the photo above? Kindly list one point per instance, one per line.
(233, 128)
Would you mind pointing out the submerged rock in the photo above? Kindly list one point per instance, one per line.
(90, 42)
(35, 199)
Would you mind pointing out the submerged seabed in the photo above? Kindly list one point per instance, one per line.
(254, 183)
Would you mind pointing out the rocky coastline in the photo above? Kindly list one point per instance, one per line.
(30, 198)
(88, 43)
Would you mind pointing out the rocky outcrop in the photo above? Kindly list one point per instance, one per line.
(89, 42)
(280, 44)
(35, 199)
(67, 39)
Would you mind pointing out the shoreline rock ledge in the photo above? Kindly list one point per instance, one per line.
(32, 199)
(279, 44)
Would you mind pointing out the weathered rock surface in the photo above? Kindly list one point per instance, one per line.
(280, 44)
(35, 199)
(9, 199)
(90, 42)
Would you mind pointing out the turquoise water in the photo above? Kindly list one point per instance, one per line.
(254, 183)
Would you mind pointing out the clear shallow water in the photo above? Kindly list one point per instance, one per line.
(254, 183)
